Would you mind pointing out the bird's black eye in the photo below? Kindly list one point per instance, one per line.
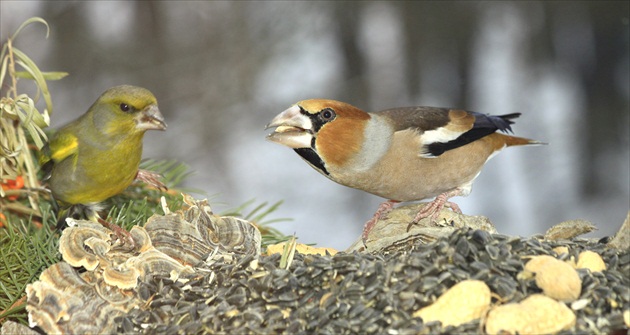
(327, 114)
(124, 107)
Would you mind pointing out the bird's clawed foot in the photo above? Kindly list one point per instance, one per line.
(382, 210)
(434, 208)
(123, 235)
(151, 178)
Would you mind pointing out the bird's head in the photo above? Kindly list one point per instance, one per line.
(127, 109)
(324, 132)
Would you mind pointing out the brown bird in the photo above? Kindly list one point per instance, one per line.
(401, 154)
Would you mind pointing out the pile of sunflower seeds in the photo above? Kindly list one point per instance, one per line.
(351, 293)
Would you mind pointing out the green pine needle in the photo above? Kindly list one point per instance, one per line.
(25, 251)
(172, 171)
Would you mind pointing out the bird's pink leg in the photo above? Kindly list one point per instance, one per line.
(151, 178)
(434, 208)
(383, 209)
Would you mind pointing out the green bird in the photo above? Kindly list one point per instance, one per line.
(98, 155)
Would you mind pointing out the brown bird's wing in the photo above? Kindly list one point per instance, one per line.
(443, 129)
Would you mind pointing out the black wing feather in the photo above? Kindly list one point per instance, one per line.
(484, 125)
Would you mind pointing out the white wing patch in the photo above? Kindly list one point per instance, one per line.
(441, 135)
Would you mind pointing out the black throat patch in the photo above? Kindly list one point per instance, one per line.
(313, 158)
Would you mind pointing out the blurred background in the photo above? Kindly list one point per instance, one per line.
(222, 70)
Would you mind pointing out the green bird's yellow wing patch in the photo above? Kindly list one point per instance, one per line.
(63, 146)
(59, 148)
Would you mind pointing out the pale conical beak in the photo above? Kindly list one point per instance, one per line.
(293, 129)
(150, 119)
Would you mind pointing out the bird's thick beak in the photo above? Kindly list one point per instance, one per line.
(293, 129)
(150, 118)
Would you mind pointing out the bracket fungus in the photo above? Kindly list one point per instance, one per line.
(97, 280)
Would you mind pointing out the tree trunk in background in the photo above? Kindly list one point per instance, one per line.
(607, 115)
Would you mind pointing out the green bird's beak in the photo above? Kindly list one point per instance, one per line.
(150, 118)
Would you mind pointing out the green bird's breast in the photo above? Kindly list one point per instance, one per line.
(98, 171)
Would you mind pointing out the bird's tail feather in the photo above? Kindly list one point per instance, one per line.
(514, 140)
